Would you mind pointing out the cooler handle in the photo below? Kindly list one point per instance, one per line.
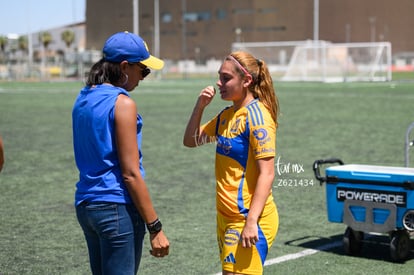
(319, 162)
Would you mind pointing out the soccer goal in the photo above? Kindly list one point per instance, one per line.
(324, 61)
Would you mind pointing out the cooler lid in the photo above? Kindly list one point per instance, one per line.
(371, 172)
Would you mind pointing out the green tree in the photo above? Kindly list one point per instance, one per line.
(3, 43)
(45, 38)
(23, 43)
(68, 37)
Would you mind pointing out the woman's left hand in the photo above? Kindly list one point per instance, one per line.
(159, 244)
(250, 235)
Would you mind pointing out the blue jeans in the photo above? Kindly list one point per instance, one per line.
(114, 234)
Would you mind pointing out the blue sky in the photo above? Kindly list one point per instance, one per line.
(24, 16)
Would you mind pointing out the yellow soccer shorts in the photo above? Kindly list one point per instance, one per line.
(235, 258)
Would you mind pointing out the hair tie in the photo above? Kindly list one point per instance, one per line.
(259, 62)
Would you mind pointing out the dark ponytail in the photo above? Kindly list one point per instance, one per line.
(104, 72)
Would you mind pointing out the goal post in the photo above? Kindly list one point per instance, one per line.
(324, 61)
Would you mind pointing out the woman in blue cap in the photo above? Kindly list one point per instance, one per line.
(113, 204)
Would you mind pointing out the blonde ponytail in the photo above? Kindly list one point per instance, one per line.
(262, 84)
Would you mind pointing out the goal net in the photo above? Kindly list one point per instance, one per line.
(324, 61)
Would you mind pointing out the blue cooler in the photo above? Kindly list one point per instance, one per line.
(371, 198)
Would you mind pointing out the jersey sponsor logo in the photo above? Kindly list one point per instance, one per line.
(265, 151)
(397, 198)
(231, 237)
(260, 134)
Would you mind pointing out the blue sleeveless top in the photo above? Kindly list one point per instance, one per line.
(96, 155)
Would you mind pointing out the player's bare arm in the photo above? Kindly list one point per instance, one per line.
(125, 124)
(250, 234)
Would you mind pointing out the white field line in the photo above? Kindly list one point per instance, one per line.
(300, 254)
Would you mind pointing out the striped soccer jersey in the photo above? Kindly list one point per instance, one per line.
(242, 137)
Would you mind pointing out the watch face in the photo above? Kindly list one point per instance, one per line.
(155, 228)
(158, 226)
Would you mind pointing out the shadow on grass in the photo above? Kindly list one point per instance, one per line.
(374, 247)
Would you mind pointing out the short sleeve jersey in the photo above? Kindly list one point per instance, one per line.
(242, 137)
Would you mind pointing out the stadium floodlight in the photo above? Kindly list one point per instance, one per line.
(135, 12)
(156, 27)
(315, 20)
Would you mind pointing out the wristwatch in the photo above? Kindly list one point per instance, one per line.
(154, 227)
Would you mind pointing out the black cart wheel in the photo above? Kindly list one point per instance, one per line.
(352, 241)
(400, 245)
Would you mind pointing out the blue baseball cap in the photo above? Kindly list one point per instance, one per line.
(127, 46)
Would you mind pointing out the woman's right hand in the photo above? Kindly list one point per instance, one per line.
(206, 96)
